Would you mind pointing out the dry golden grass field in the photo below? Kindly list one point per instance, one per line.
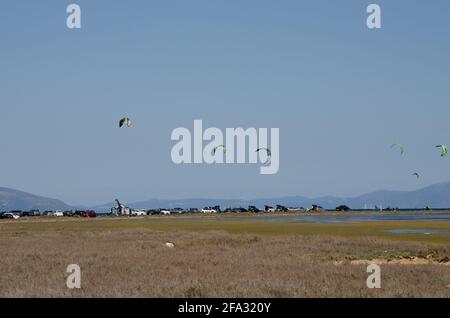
(220, 257)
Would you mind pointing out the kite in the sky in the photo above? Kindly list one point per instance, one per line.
(269, 154)
(125, 121)
(416, 174)
(221, 146)
(443, 150)
(399, 147)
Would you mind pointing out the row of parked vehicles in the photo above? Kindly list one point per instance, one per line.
(33, 213)
(250, 209)
(207, 210)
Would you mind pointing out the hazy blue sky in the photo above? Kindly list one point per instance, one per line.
(340, 93)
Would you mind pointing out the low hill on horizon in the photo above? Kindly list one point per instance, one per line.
(11, 199)
(435, 196)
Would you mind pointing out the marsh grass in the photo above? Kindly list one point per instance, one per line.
(129, 259)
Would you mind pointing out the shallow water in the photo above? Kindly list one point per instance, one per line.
(310, 218)
(418, 231)
(345, 218)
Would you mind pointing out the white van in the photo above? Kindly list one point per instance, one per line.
(55, 213)
(138, 213)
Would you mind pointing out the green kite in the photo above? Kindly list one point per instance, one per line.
(443, 150)
(399, 147)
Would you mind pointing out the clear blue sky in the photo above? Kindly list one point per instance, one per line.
(340, 93)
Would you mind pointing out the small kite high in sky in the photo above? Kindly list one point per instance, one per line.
(269, 154)
(416, 174)
(221, 146)
(443, 150)
(399, 147)
(125, 121)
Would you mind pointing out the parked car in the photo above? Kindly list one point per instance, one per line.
(138, 213)
(55, 213)
(296, 209)
(316, 208)
(253, 209)
(89, 214)
(35, 213)
(343, 208)
(282, 208)
(9, 215)
(85, 214)
(31, 213)
(209, 210)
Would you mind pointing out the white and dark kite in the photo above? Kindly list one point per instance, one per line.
(125, 121)
(269, 154)
(221, 146)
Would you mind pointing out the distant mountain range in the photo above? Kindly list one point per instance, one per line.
(18, 200)
(435, 196)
